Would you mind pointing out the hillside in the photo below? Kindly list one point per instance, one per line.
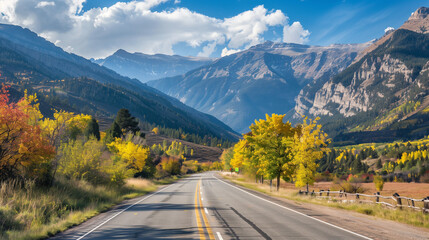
(263, 79)
(383, 96)
(70, 82)
(146, 67)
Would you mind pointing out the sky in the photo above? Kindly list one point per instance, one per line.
(204, 28)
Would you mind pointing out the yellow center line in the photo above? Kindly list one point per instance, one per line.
(206, 222)
(199, 224)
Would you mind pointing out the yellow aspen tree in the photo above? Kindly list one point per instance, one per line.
(308, 147)
(271, 147)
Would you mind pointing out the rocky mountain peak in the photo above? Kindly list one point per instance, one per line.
(420, 13)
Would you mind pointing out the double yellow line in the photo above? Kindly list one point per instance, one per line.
(199, 208)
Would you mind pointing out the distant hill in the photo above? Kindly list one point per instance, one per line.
(146, 67)
(266, 78)
(70, 82)
(382, 96)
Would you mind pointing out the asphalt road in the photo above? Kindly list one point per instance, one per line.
(206, 207)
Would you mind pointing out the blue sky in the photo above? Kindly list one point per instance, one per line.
(96, 28)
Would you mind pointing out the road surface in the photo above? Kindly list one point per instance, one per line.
(205, 207)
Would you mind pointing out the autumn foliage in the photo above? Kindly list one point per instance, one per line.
(24, 151)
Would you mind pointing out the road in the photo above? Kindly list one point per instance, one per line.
(205, 207)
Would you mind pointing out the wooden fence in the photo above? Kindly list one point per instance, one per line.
(395, 201)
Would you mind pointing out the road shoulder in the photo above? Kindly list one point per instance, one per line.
(369, 226)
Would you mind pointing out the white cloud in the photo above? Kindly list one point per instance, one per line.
(226, 51)
(44, 4)
(388, 29)
(135, 27)
(295, 33)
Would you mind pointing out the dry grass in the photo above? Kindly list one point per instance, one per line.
(406, 216)
(31, 212)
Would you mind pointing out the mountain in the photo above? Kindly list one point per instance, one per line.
(266, 78)
(383, 95)
(146, 67)
(67, 81)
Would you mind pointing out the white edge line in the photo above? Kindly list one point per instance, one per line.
(219, 236)
(205, 209)
(139, 201)
(357, 234)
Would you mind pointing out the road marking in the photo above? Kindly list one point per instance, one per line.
(197, 213)
(202, 198)
(219, 236)
(300, 213)
(206, 222)
(98, 226)
(205, 209)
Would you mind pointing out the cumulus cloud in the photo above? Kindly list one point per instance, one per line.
(295, 33)
(388, 29)
(136, 27)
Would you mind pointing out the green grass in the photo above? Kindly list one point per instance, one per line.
(31, 212)
(407, 216)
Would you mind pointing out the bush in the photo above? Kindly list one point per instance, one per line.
(79, 160)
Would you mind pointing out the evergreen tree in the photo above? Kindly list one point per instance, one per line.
(92, 129)
(127, 122)
(379, 165)
(113, 132)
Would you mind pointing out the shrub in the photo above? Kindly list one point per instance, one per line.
(79, 160)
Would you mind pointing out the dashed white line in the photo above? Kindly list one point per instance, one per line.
(300, 213)
(205, 209)
(219, 236)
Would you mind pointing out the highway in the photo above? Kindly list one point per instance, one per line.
(203, 206)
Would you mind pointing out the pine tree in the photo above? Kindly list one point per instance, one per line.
(127, 122)
(379, 165)
(92, 129)
(113, 132)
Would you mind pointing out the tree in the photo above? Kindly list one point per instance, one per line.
(379, 164)
(112, 133)
(126, 122)
(155, 130)
(271, 144)
(379, 183)
(309, 146)
(24, 151)
(92, 129)
(226, 157)
(133, 154)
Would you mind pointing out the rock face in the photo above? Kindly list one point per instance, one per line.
(393, 72)
(146, 67)
(242, 87)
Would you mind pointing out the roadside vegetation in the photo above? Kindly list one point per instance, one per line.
(57, 172)
(407, 216)
(278, 159)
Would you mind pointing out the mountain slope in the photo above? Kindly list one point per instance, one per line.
(70, 81)
(146, 67)
(242, 87)
(386, 89)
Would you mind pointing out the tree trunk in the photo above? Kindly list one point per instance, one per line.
(307, 187)
(262, 179)
(271, 184)
(278, 183)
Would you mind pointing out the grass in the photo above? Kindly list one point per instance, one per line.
(31, 212)
(407, 216)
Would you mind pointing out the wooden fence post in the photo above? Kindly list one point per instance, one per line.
(312, 193)
(328, 192)
(377, 199)
(321, 192)
(357, 196)
(398, 200)
(426, 204)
